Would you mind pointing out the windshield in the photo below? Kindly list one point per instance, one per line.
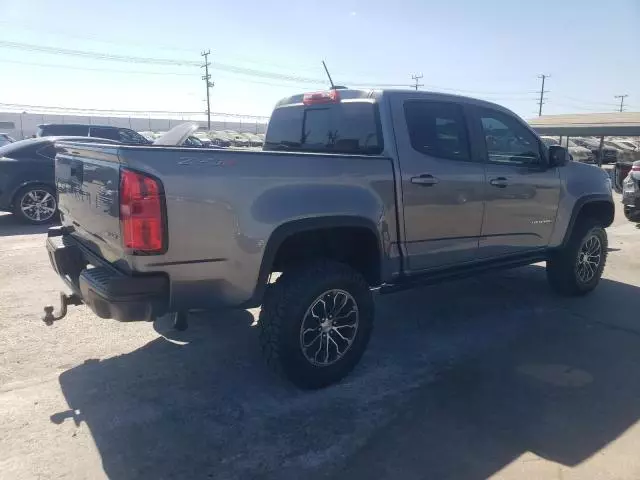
(349, 127)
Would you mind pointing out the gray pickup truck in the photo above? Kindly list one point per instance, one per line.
(355, 193)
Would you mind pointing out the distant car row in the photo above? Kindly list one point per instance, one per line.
(219, 138)
(27, 185)
(587, 150)
(222, 138)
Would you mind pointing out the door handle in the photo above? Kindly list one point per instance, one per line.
(425, 179)
(499, 182)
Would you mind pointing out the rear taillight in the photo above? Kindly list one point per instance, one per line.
(142, 213)
(635, 168)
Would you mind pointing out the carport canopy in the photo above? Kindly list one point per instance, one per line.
(619, 124)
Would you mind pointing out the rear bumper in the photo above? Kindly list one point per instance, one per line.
(106, 290)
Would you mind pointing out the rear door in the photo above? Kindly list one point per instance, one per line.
(522, 192)
(442, 181)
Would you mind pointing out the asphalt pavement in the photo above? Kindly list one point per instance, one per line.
(487, 377)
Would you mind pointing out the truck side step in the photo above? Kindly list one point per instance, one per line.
(455, 273)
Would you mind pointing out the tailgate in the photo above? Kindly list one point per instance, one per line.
(87, 179)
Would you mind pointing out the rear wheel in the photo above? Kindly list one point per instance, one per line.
(36, 204)
(315, 323)
(577, 268)
(632, 214)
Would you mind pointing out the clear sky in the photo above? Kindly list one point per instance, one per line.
(264, 50)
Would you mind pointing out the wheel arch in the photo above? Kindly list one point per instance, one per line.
(599, 206)
(312, 225)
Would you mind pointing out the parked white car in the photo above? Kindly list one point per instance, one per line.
(578, 153)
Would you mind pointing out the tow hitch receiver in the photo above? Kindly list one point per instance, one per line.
(65, 300)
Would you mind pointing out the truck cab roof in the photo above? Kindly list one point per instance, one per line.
(376, 95)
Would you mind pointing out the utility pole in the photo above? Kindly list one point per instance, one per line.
(207, 78)
(415, 78)
(621, 97)
(542, 92)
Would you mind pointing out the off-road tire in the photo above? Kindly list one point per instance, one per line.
(283, 310)
(561, 266)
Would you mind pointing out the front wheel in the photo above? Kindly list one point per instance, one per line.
(576, 269)
(315, 323)
(36, 204)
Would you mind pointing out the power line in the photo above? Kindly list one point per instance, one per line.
(161, 46)
(90, 69)
(576, 107)
(217, 66)
(165, 61)
(588, 102)
(23, 107)
(416, 78)
(207, 80)
(97, 55)
(252, 72)
(542, 92)
(621, 97)
(183, 74)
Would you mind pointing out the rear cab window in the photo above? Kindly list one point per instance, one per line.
(346, 127)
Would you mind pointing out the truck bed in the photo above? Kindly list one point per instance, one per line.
(220, 205)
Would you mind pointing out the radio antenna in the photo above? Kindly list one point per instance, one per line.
(328, 74)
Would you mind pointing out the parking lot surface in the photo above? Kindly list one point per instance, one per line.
(492, 376)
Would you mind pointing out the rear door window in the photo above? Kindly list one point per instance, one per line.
(346, 127)
(437, 129)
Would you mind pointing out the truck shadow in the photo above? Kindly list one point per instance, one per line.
(459, 380)
(11, 225)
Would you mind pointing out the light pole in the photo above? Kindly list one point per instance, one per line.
(21, 128)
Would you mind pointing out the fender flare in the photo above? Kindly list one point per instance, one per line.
(579, 205)
(292, 227)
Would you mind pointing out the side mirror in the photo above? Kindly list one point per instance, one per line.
(558, 156)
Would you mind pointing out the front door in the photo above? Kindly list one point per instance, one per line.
(522, 193)
(442, 182)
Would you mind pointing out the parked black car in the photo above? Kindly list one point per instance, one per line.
(119, 134)
(5, 139)
(27, 185)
